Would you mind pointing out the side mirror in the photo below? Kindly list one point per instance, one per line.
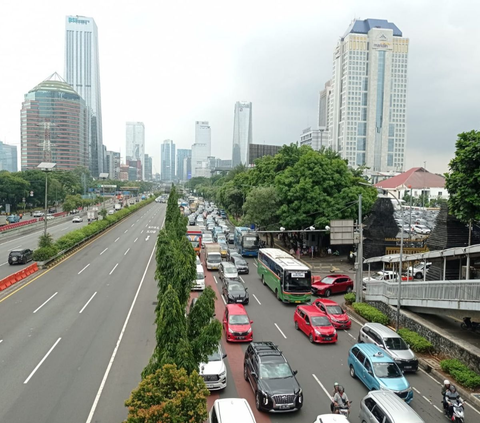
(251, 321)
(253, 373)
(295, 372)
(370, 372)
(246, 288)
(224, 356)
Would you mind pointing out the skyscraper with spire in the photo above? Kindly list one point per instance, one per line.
(82, 72)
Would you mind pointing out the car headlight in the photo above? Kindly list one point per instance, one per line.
(249, 330)
(223, 374)
(230, 330)
(334, 332)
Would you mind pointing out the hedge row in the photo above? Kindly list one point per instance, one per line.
(350, 297)
(73, 238)
(461, 373)
(370, 313)
(417, 343)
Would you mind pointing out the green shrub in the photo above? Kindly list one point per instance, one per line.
(70, 240)
(350, 298)
(417, 343)
(461, 373)
(371, 313)
(45, 240)
(45, 253)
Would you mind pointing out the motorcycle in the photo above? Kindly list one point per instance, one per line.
(469, 325)
(458, 412)
(344, 411)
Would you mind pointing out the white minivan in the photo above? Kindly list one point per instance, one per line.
(231, 410)
(199, 283)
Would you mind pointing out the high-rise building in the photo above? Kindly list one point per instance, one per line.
(242, 132)
(323, 103)
(367, 113)
(135, 170)
(148, 168)
(135, 134)
(168, 161)
(54, 126)
(256, 151)
(187, 168)
(82, 72)
(182, 153)
(113, 165)
(202, 147)
(8, 157)
(314, 138)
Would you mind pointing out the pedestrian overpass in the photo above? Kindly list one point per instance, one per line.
(459, 298)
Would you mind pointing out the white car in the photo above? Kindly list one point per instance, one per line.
(331, 418)
(77, 219)
(214, 372)
(38, 214)
(50, 216)
(111, 211)
(421, 229)
(417, 270)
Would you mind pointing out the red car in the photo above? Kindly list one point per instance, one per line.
(313, 323)
(331, 284)
(237, 324)
(334, 312)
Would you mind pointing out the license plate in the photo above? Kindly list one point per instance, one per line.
(240, 337)
(407, 367)
(283, 407)
(239, 301)
(327, 339)
(297, 302)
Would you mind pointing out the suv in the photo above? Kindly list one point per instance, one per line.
(331, 284)
(391, 342)
(334, 312)
(214, 372)
(273, 382)
(20, 256)
(227, 270)
(241, 264)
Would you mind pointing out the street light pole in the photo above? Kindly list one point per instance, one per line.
(46, 205)
(359, 278)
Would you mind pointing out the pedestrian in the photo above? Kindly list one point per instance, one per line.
(298, 252)
(329, 251)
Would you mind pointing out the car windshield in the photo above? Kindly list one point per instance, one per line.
(335, 309)
(216, 356)
(241, 263)
(386, 370)
(379, 276)
(299, 281)
(396, 344)
(236, 287)
(16, 253)
(327, 280)
(238, 319)
(320, 321)
(200, 275)
(214, 259)
(250, 241)
(275, 371)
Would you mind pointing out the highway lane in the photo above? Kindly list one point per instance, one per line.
(319, 366)
(59, 332)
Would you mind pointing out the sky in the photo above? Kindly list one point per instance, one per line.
(171, 63)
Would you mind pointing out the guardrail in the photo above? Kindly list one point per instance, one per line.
(18, 276)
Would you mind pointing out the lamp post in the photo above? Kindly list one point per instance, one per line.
(103, 176)
(359, 277)
(46, 167)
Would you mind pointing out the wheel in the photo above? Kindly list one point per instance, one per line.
(352, 372)
(310, 338)
(263, 280)
(257, 401)
(327, 293)
(349, 289)
(245, 375)
(463, 326)
(418, 275)
(296, 325)
(277, 294)
(24, 260)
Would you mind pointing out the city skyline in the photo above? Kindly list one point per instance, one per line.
(441, 69)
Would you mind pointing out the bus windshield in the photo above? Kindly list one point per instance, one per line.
(298, 281)
(250, 242)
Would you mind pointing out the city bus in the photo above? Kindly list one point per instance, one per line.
(288, 278)
(247, 242)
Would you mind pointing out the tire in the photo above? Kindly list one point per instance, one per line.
(245, 375)
(277, 295)
(327, 293)
(310, 338)
(463, 326)
(418, 275)
(24, 261)
(263, 280)
(352, 372)
(296, 326)
(349, 289)
(257, 401)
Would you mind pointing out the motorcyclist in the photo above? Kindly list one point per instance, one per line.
(335, 390)
(445, 388)
(451, 396)
(340, 400)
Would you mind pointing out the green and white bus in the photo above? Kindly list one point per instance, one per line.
(288, 278)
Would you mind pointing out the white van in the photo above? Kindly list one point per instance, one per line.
(231, 410)
(199, 282)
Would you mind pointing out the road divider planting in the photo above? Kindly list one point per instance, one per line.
(417, 342)
(370, 313)
(350, 298)
(461, 373)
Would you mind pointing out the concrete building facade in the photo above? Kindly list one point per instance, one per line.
(148, 168)
(257, 151)
(8, 157)
(182, 154)
(314, 138)
(113, 164)
(202, 147)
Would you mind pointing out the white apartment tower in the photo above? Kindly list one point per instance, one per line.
(366, 109)
(242, 132)
(135, 136)
(202, 147)
(168, 161)
(82, 72)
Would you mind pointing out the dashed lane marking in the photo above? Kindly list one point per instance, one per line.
(135, 240)
(321, 386)
(117, 239)
(416, 390)
(215, 279)
(104, 251)
(280, 330)
(84, 268)
(254, 296)
(113, 269)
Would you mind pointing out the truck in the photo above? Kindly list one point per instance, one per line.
(117, 207)
(92, 215)
(213, 256)
(195, 238)
(247, 242)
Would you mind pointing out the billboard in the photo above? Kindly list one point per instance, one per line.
(341, 232)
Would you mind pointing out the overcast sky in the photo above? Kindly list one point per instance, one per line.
(170, 63)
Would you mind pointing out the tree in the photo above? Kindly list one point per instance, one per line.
(72, 202)
(463, 180)
(261, 207)
(169, 395)
(12, 189)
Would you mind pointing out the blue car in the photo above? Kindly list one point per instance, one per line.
(378, 371)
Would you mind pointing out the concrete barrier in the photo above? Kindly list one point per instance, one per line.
(18, 276)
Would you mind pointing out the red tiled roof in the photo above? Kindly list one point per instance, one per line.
(416, 177)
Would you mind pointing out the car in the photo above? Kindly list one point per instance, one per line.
(38, 214)
(234, 291)
(421, 229)
(20, 256)
(74, 211)
(331, 284)
(77, 219)
(417, 270)
(384, 275)
(111, 211)
(236, 324)
(220, 238)
(241, 264)
(232, 252)
(231, 238)
(52, 210)
(331, 418)
(206, 239)
(336, 314)
(227, 270)
(228, 410)
(223, 249)
(391, 342)
(313, 323)
(376, 370)
(50, 217)
(199, 282)
(214, 371)
(198, 262)
(273, 381)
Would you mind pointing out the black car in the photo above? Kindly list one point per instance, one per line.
(20, 256)
(241, 264)
(234, 291)
(273, 382)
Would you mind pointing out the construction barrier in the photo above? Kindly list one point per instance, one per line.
(18, 276)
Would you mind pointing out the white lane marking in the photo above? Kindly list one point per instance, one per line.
(255, 264)
(441, 411)
(146, 225)
(133, 224)
(426, 399)
(18, 246)
(64, 229)
(111, 271)
(321, 386)
(147, 238)
(135, 240)
(224, 302)
(416, 390)
(473, 408)
(215, 279)
(431, 377)
(349, 334)
(88, 302)
(38, 308)
(280, 330)
(355, 320)
(126, 252)
(142, 231)
(1, 340)
(41, 362)
(105, 376)
(254, 296)
(104, 251)
(138, 220)
(3, 264)
(84, 268)
(242, 279)
(117, 239)
(126, 231)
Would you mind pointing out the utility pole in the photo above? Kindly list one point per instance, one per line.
(359, 277)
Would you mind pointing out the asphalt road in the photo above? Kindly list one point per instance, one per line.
(75, 338)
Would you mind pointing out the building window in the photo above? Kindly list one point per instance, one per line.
(360, 159)
(390, 159)
(391, 145)
(362, 128)
(361, 143)
(364, 99)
